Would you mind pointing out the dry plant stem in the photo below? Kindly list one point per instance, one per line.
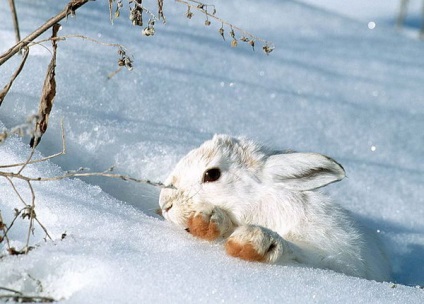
(19, 175)
(16, 191)
(160, 10)
(117, 45)
(196, 7)
(152, 16)
(11, 290)
(3, 228)
(70, 8)
(110, 75)
(31, 209)
(30, 161)
(7, 87)
(15, 20)
(31, 216)
(17, 214)
(47, 95)
(21, 298)
(86, 174)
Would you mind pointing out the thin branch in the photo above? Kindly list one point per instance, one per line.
(3, 228)
(124, 59)
(31, 216)
(17, 214)
(200, 7)
(160, 10)
(15, 189)
(44, 229)
(69, 9)
(15, 20)
(11, 175)
(29, 160)
(7, 87)
(20, 298)
(117, 45)
(11, 290)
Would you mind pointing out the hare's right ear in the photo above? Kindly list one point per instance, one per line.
(303, 171)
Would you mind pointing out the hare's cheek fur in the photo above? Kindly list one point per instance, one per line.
(176, 207)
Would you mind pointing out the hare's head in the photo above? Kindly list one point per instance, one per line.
(233, 173)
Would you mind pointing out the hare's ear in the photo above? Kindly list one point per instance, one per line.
(303, 171)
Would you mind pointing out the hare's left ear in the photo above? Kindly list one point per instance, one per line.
(303, 171)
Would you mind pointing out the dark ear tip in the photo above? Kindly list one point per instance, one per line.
(338, 164)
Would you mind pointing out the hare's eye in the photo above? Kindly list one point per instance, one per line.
(211, 175)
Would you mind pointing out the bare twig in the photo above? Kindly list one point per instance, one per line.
(124, 59)
(84, 174)
(20, 298)
(15, 20)
(3, 228)
(160, 10)
(31, 215)
(248, 37)
(33, 161)
(7, 87)
(16, 190)
(28, 211)
(70, 9)
(17, 214)
(11, 290)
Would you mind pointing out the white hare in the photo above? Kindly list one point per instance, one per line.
(265, 204)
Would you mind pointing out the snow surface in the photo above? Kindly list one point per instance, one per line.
(332, 86)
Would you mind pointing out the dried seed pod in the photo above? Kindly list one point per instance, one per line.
(234, 43)
(221, 32)
(189, 14)
(232, 34)
(128, 63)
(207, 22)
(252, 43)
(267, 49)
(136, 16)
(148, 31)
(244, 39)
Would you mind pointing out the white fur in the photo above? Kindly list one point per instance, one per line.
(270, 197)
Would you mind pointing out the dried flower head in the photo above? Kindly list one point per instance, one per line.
(268, 48)
(221, 32)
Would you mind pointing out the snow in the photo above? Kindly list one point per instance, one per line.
(332, 86)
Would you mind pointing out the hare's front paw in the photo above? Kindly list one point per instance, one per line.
(255, 243)
(209, 222)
